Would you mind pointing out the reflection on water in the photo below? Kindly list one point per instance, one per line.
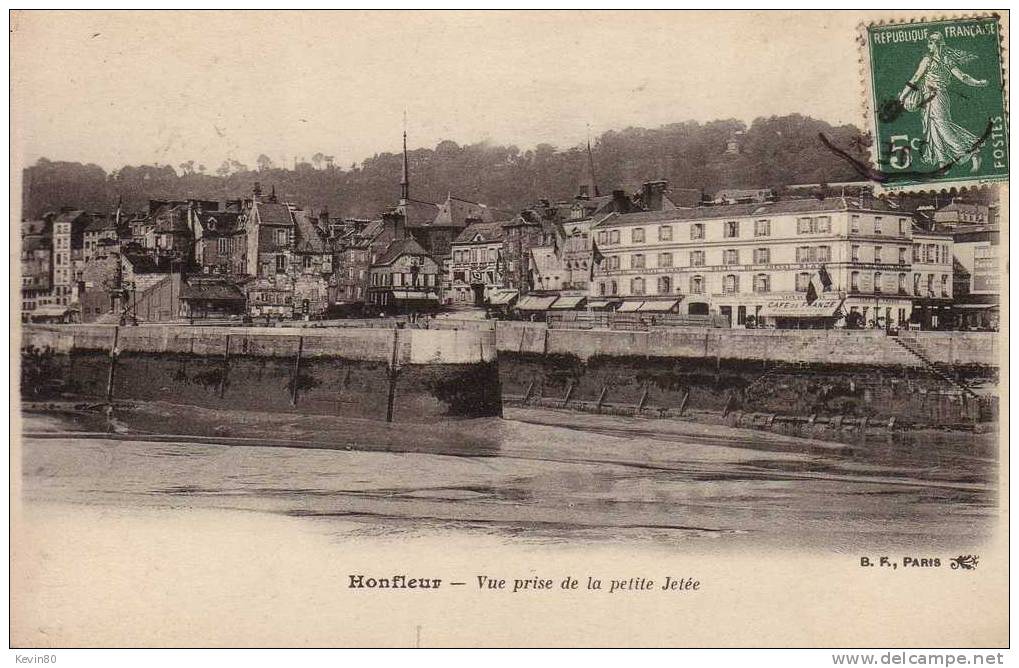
(547, 476)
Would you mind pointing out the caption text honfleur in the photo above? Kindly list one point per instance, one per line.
(669, 583)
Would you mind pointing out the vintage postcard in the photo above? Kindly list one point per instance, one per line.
(510, 329)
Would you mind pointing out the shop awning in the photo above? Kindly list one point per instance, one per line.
(658, 305)
(602, 303)
(977, 307)
(51, 311)
(502, 297)
(411, 295)
(792, 308)
(568, 302)
(629, 307)
(536, 302)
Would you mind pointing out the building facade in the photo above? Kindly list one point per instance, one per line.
(476, 267)
(758, 260)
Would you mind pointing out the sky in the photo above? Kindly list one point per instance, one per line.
(116, 88)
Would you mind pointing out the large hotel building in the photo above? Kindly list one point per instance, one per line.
(758, 260)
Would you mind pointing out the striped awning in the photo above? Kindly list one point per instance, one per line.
(630, 307)
(602, 303)
(658, 305)
(502, 297)
(536, 302)
(568, 302)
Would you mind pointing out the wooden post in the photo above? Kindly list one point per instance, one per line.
(569, 393)
(114, 353)
(226, 365)
(393, 363)
(643, 398)
(728, 404)
(297, 370)
(682, 403)
(530, 388)
(601, 397)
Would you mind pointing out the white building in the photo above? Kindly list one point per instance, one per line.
(758, 260)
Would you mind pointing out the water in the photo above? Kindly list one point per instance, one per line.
(546, 476)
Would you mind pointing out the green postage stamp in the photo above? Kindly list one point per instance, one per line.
(937, 103)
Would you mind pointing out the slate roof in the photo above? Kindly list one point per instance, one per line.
(417, 213)
(779, 208)
(489, 232)
(68, 216)
(400, 247)
(309, 238)
(213, 290)
(274, 213)
(101, 225)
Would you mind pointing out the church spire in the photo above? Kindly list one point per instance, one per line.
(405, 178)
(588, 183)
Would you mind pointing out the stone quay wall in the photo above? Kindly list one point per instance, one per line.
(837, 374)
(386, 374)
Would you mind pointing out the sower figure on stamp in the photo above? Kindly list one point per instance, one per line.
(946, 142)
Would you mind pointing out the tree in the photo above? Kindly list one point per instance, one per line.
(264, 162)
(317, 160)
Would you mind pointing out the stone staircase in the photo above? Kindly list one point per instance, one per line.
(942, 371)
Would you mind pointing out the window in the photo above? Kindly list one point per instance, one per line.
(916, 284)
(916, 252)
(731, 229)
(802, 281)
(637, 235)
(613, 288)
(281, 264)
(824, 253)
(877, 281)
(665, 259)
(930, 285)
(603, 237)
(222, 244)
(665, 233)
(854, 253)
(281, 237)
(730, 256)
(877, 254)
(664, 285)
(697, 231)
(806, 254)
(903, 226)
(614, 264)
(637, 261)
(762, 283)
(730, 284)
(902, 284)
(696, 285)
(601, 289)
(762, 228)
(854, 281)
(762, 255)
(306, 262)
(804, 225)
(902, 256)
(697, 258)
(945, 284)
(877, 225)
(637, 286)
(614, 236)
(854, 223)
